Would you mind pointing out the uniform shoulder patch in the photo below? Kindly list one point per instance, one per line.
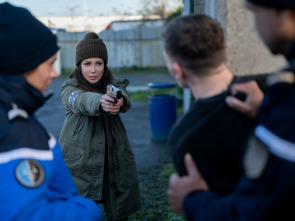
(17, 112)
(71, 101)
(255, 158)
(29, 173)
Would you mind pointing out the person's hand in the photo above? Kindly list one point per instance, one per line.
(115, 108)
(180, 187)
(254, 97)
(108, 105)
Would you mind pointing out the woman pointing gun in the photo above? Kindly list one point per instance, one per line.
(94, 143)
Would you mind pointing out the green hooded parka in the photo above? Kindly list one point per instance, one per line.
(86, 133)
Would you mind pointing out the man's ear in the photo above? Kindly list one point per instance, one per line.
(179, 71)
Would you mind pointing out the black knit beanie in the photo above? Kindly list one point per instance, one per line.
(279, 4)
(25, 42)
(91, 46)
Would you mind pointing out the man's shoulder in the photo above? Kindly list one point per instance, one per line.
(22, 133)
(278, 107)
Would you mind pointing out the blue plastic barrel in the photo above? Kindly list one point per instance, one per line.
(162, 112)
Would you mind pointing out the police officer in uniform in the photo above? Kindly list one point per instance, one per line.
(35, 182)
(266, 189)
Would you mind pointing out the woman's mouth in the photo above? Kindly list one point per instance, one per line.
(92, 77)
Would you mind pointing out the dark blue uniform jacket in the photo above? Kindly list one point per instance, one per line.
(35, 182)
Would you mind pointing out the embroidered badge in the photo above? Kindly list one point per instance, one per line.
(30, 173)
(71, 101)
(256, 158)
(16, 112)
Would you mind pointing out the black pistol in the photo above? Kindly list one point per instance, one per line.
(114, 92)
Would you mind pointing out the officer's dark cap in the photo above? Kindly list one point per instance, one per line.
(278, 4)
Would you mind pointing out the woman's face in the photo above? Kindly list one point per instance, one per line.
(92, 69)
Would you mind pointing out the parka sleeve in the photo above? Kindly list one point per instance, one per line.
(122, 85)
(80, 102)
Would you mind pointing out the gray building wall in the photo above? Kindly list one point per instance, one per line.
(246, 53)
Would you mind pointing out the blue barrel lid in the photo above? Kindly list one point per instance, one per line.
(161, 85)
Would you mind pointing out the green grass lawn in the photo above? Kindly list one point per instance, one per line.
(153, 187)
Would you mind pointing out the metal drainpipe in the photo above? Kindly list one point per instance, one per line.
(208, 7)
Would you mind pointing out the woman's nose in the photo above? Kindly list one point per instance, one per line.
(92, 68)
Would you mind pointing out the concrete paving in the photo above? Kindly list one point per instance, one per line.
(148, 153)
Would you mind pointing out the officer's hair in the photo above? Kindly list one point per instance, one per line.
(195, 41)
(106, 79)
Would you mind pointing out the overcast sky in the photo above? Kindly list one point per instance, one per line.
(78, 7)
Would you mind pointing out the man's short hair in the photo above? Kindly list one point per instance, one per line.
(195, 41)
